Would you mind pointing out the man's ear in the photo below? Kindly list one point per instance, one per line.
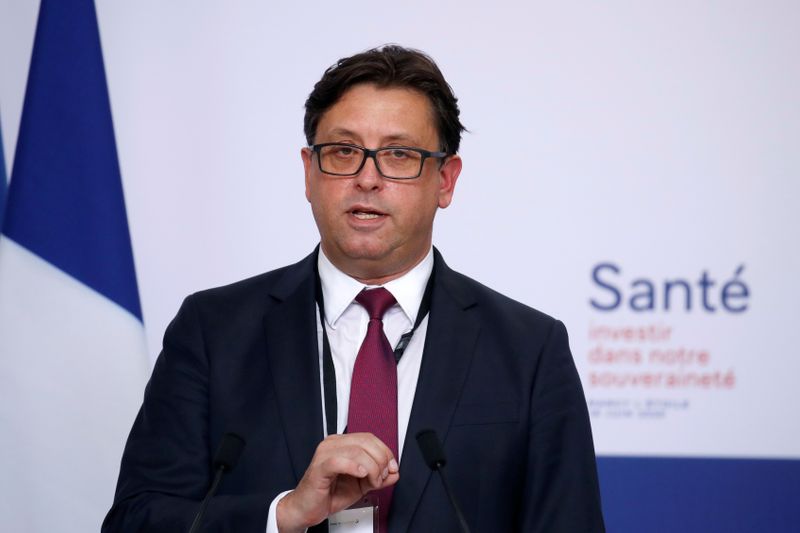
(306, 154)
(448, 175)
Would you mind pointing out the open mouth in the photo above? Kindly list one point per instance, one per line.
(363, 213)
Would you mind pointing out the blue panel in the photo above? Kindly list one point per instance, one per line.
(65, 200)
(680, 495)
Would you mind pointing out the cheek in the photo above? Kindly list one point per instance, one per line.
(325, 200)
(315, 197)
(420, 211)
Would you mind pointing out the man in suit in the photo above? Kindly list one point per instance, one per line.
(328, 391)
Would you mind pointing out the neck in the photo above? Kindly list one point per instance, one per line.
(381, 280)
(375, 273)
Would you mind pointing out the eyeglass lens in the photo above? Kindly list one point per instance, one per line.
(392, 162)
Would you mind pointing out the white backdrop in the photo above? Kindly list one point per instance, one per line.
(660, 137)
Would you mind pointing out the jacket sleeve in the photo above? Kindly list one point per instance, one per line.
(166, 466)
(562, 491)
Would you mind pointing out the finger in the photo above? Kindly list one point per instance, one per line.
(342, 465)
(388, 481)
(376, 446)
(379, 451)
(366, 449)
(376, 472)
(391, 479)
(381, 456)
(360, 466)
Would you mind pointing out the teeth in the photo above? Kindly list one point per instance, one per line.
(365, 216)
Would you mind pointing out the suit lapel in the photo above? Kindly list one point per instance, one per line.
(291, 340)
(449, 346)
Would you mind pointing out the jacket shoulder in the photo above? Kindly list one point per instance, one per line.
(255, 293)
(242, 289)
(493, 303)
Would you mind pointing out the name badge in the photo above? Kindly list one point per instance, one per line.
(354, 520)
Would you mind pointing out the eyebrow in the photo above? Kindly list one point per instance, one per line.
(397, 137)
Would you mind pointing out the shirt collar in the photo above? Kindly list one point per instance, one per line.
(339, 290)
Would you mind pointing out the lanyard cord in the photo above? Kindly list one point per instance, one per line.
(328, 371)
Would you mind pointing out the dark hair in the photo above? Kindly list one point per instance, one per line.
(388, 66)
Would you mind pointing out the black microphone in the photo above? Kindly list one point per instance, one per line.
(433, 453)
(230, 448)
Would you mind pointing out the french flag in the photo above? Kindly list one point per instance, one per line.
(73, 361)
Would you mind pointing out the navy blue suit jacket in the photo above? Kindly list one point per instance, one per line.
(497, 383)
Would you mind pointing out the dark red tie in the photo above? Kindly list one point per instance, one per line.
(373, 390)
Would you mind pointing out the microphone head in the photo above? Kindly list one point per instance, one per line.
(431, 449)
(228, 452)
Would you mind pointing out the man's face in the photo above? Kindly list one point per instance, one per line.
(373, 228)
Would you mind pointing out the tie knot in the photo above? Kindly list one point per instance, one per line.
(376, 302)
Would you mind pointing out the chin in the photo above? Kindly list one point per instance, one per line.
(368, 252)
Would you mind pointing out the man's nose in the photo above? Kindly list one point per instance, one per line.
(369, 178)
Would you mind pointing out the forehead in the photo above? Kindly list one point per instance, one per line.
(368, 114)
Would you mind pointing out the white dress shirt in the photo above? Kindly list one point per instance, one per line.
(346, 325)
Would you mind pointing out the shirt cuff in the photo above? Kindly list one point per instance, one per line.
(272, 522)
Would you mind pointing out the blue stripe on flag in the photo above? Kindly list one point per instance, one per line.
(3, 180)
(65, 199)
(693, 495)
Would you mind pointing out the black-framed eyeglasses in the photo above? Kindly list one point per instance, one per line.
(394, 162)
